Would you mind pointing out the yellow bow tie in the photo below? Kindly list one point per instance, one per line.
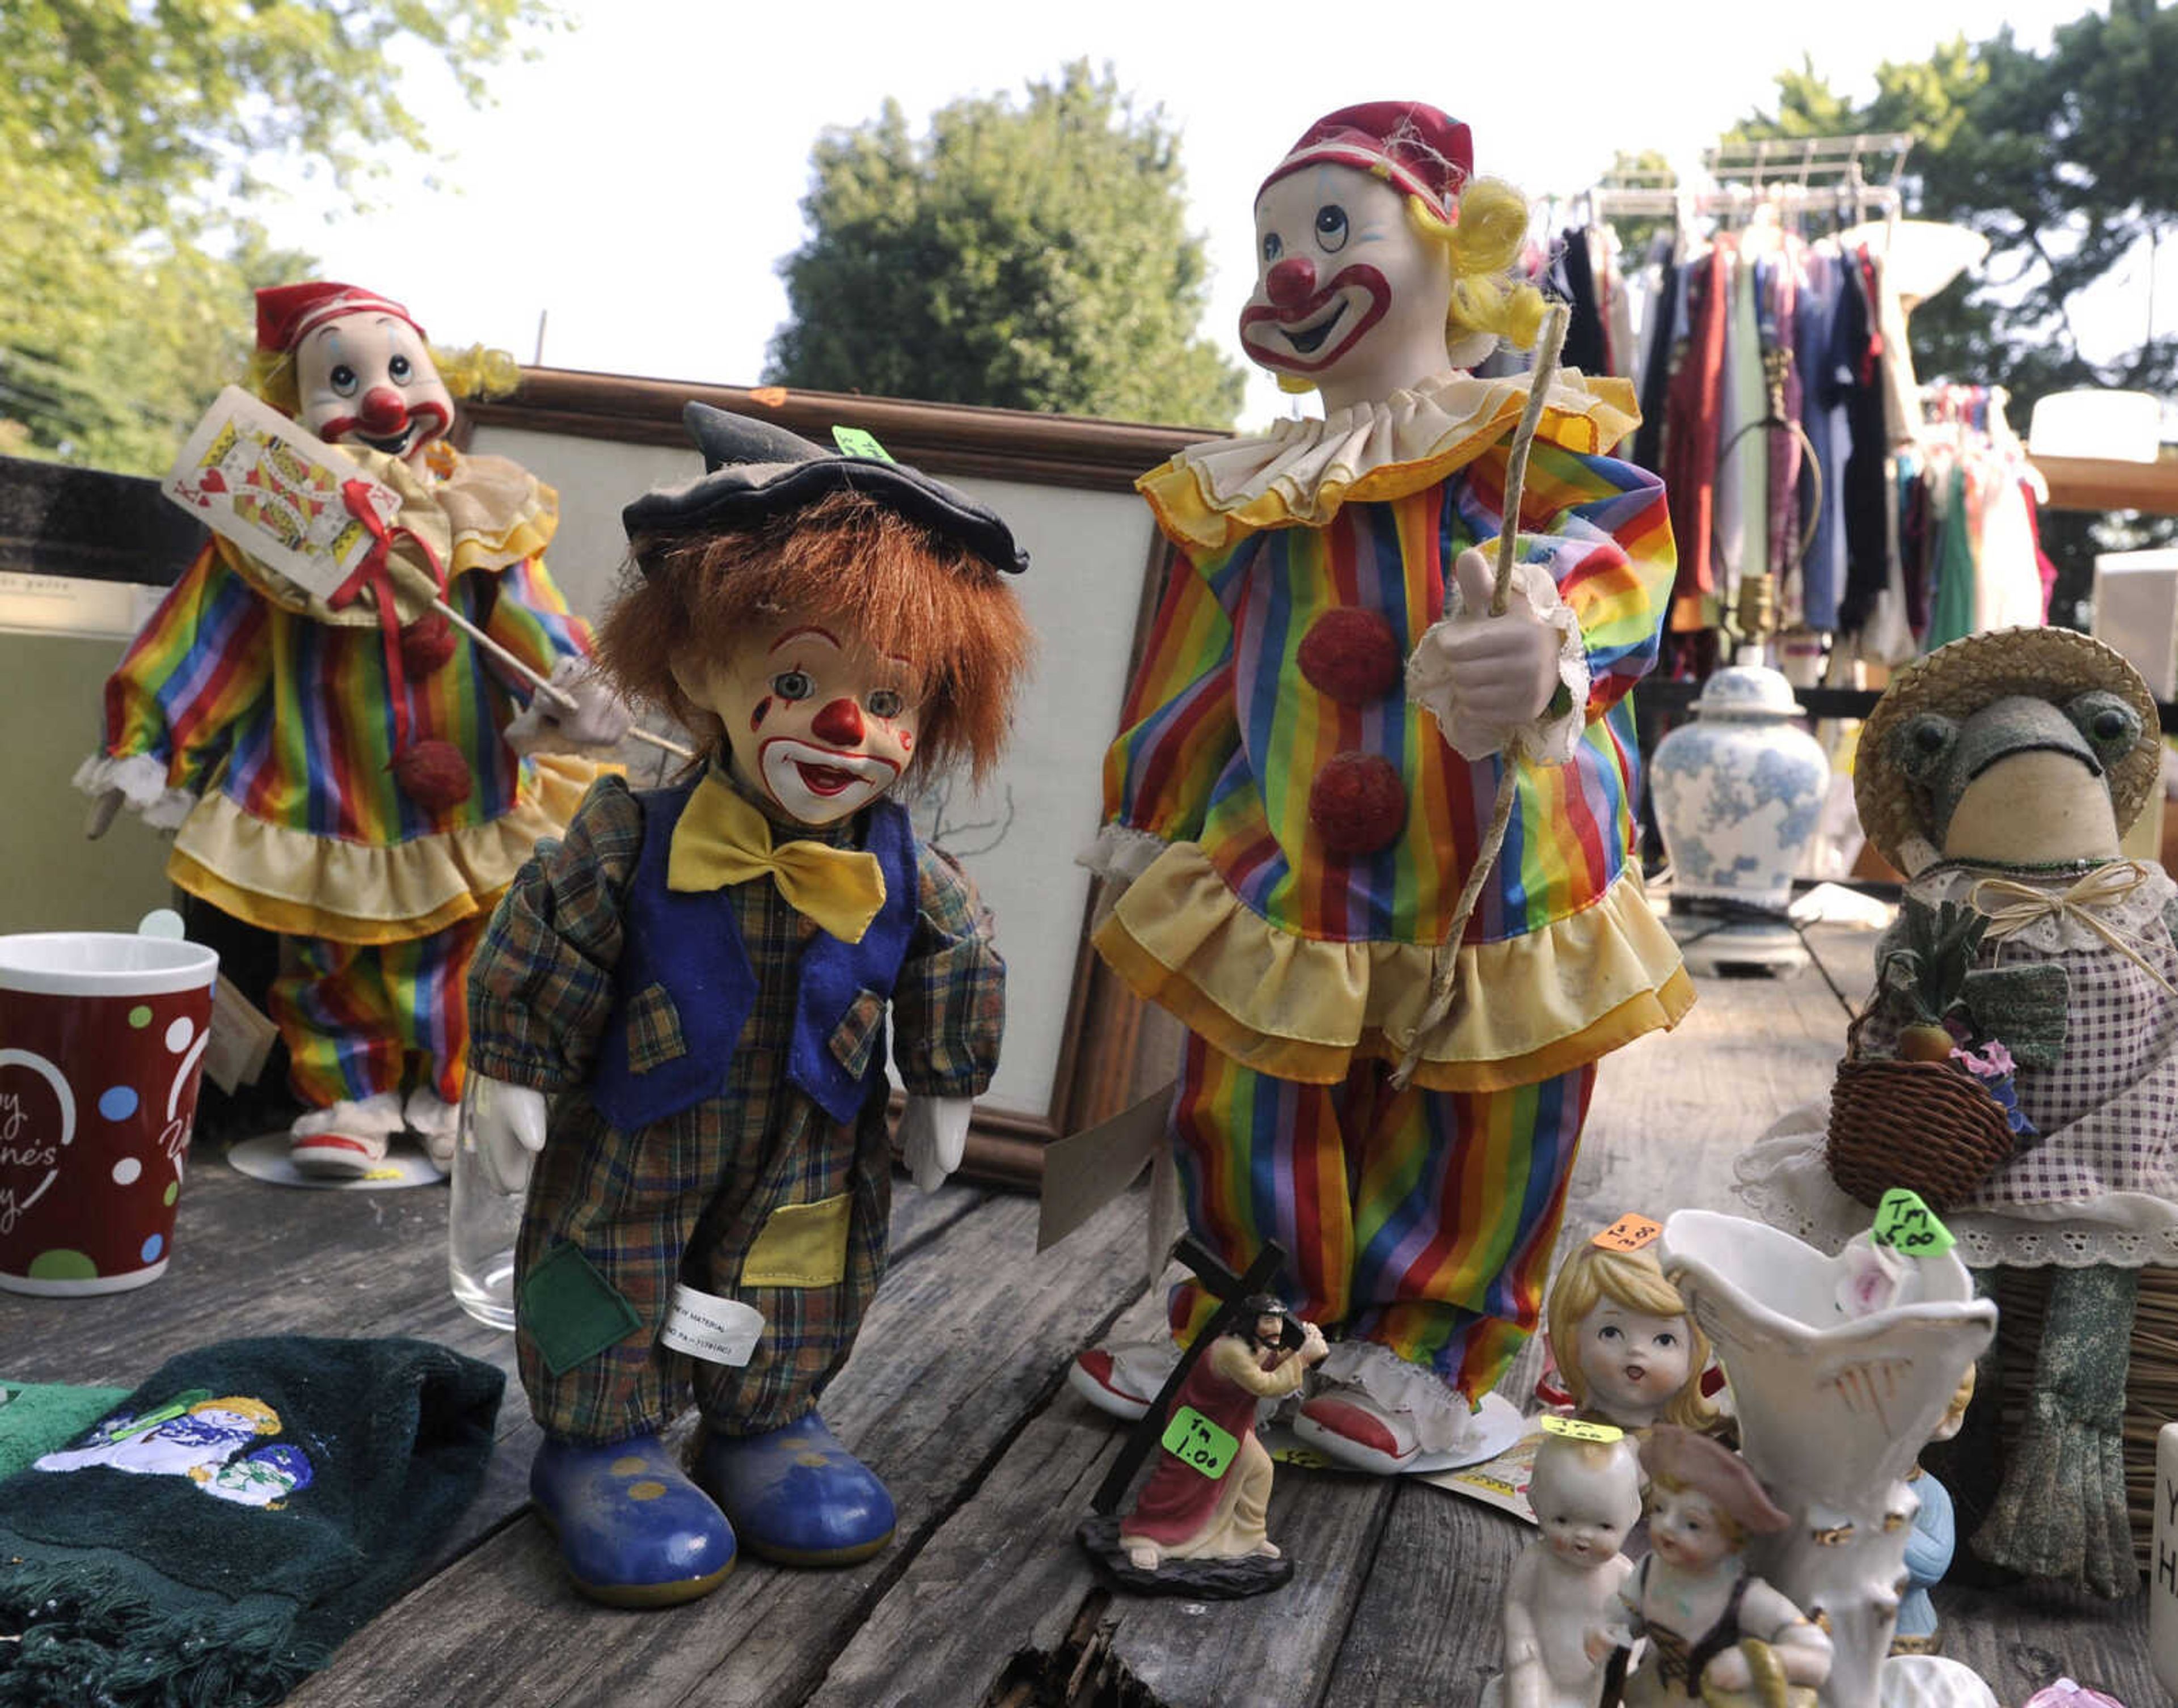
(723, 839)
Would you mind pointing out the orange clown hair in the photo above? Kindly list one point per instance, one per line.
(847, 561)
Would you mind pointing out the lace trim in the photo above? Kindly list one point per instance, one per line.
(1549, 740)
(1442, 1418)
(142, 781)
(1122, 853)
(2134, 915)
(1785, 1181)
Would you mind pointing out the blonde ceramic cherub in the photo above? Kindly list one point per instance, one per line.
(1624, 1346)
(1562, 1600)
(1716, 1636)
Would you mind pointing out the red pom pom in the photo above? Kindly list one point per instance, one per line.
(426, 644)
(1357, 803)
(1350, 655)
(433, 774)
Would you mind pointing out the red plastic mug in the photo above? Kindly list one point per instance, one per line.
(101, 1039)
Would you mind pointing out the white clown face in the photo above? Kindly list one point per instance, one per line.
(367, 378)
(818, 724)
(1347, 294)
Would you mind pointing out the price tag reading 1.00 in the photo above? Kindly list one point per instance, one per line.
(1904, 1222)
(1198, 1443)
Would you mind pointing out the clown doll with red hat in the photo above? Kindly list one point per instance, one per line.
(1289, 835)
(345, 774)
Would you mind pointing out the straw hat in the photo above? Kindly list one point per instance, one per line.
(1959, 680)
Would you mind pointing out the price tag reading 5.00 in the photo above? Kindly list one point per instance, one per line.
(1903, 1221)
(1198, 1443)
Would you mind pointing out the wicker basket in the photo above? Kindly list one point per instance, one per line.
(1923, 1125)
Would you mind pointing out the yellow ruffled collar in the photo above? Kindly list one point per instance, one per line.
(1299, 474)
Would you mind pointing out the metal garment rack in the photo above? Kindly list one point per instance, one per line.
(1852, 175)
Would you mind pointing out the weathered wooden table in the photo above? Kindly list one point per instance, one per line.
(955, 1396)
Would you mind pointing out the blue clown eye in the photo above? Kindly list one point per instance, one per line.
(885, 703)
(342, 380)
(1272, 248)
(1331, 228)
(793, 684)
(400, 369)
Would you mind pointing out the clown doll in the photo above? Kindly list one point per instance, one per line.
(348, 783)
(702, 974)
(1290, 835)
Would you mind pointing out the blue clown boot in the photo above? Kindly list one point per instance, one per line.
(633, 1530)
(797, 1496)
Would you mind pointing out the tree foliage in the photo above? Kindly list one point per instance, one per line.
(130, 131)
(2061, 159)
(1032, 256)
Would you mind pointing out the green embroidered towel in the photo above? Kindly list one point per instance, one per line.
(215, 1538)
(36, 1420)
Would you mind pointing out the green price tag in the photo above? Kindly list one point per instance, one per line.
(1903, 1221)
(1198, 1443)
(857, 441)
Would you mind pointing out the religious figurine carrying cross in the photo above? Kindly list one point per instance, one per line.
(1197, 1527)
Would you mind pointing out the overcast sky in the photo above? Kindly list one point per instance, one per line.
(639, 181)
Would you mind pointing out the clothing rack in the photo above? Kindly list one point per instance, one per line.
(1856, 175)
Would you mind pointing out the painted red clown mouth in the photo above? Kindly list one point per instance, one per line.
(426, 422)
(825, 772)
(1304, 330)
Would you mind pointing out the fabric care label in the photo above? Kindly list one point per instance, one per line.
(242, 1039)
(1903, 1222)
(1629, 1233)
(718, 1331)
(1198, 1443)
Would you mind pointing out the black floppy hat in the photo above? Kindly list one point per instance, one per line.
(753, 472)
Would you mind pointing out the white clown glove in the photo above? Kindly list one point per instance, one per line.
(933, 1134)
(508, 1122)
(598, 719)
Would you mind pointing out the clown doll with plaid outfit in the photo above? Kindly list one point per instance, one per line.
(350, 783)
(703, 974)
(1290, 834)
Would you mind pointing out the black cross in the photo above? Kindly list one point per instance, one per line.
(1233, 1291)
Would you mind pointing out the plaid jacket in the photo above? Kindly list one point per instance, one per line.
(687, 1198)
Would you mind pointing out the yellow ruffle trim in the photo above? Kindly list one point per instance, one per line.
(306, 885)
(1302, 1008)
(1302, 472)
(489, 513)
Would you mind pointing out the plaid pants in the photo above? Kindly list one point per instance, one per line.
(687, 1200)
(1422, 1220)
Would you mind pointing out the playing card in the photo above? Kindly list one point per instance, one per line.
(275, 489)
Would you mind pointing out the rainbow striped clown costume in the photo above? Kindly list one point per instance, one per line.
(1293, 833)
(276, 733)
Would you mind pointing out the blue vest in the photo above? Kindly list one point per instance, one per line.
(687, 945)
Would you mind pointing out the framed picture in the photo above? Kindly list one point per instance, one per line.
(1076, 1044)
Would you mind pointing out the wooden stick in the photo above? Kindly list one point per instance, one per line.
(1444, 963)
(559, 697)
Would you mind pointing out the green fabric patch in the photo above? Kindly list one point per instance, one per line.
(2024, 1006)
(571, 1312)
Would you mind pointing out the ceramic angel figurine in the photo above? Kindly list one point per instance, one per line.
(702, 973)
(1716, 1634)
(1562, 1610)
(1625, 1349)
(1999, 773)
(1183, 1514)
(344, 776)
(1287, 834)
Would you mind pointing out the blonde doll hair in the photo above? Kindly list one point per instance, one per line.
(1482, 243)
(1634, 1281)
